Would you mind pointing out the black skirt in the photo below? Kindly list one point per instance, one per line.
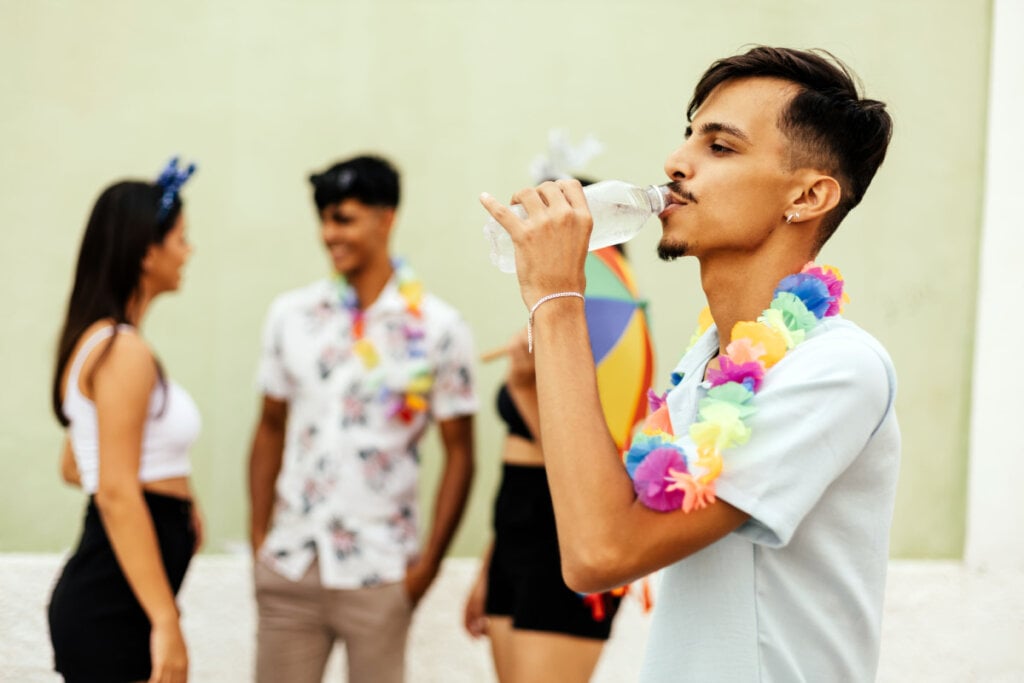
(98, 628)
(524, 580)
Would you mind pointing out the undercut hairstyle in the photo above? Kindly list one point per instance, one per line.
(372, 180)
(831, 127)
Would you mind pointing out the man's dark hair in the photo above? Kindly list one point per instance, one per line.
(831, 127)
(372, 180)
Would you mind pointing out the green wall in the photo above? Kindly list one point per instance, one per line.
(461, 93)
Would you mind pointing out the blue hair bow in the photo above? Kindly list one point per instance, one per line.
(170, 180)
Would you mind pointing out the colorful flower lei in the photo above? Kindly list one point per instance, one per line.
(404, 404)
(672, 473)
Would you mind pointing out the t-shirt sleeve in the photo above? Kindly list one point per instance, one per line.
(816, 411)
(272, 376)
(453, 392)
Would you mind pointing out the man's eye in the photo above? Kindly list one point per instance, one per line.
(719, 149)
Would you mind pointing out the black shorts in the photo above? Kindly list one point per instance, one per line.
(98, 628)
(525, 576)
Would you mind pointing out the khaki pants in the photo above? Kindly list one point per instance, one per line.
(299, 621)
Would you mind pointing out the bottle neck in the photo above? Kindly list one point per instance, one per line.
(657, 196)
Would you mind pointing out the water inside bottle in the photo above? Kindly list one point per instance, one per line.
(615, 221)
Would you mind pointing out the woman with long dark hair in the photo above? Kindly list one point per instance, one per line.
(112, 614)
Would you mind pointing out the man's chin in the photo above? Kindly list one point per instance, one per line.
(669, 250)
(342, 268)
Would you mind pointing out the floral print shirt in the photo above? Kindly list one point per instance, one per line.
(346, 493)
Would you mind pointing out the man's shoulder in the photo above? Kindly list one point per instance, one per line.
(846, 342)
(839, 355)
(300, 298)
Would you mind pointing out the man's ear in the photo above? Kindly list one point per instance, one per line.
(820, 195)
(387, 218)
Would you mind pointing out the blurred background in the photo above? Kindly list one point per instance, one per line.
(461, 95)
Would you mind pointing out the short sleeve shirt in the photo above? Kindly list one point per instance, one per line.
(346, 493)
(794, 594)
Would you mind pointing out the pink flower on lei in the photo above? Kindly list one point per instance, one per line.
(748, 374)
(655, 401)
(650, 477)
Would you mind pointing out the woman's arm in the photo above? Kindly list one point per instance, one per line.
(474, 614)
(122, 386)
(68, 467)
(198, 524)
(522, 384)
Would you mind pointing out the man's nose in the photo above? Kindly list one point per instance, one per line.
(677, 166)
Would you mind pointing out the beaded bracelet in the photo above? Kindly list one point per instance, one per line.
(529, 322)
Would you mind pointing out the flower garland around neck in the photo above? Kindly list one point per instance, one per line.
(672, 472)
(407, 401)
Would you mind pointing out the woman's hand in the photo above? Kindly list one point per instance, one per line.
(168, 652)
(474, 618)
(198, 527)
(551, 242)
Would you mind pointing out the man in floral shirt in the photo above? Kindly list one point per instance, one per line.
(353, 370)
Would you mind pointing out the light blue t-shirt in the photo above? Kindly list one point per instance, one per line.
(795, 594)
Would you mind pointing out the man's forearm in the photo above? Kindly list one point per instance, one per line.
(582, 462)
(264, 467)
(452, 494)
(453, 491)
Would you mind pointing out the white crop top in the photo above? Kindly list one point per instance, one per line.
(172, 425)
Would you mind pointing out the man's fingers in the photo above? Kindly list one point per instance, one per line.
(531, 200)
(501, 213)
(572, 190)
(534, 213)
(553, 193)
(529, 203)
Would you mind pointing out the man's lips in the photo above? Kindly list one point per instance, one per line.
(674, 205)
(677, 197)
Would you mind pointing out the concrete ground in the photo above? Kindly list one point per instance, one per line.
(943, 622)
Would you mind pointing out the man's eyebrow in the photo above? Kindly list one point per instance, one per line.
(714, 127)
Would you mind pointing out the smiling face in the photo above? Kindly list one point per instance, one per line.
(732, 182)
(355, 235)
(165, 260)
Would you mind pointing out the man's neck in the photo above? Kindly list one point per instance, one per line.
(369, 282)
(740, 288)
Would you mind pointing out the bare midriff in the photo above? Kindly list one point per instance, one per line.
(520, 451)
(176, 487)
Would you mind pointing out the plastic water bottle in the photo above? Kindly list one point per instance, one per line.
(619, 210)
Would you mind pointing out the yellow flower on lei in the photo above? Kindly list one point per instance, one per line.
(773, 343)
